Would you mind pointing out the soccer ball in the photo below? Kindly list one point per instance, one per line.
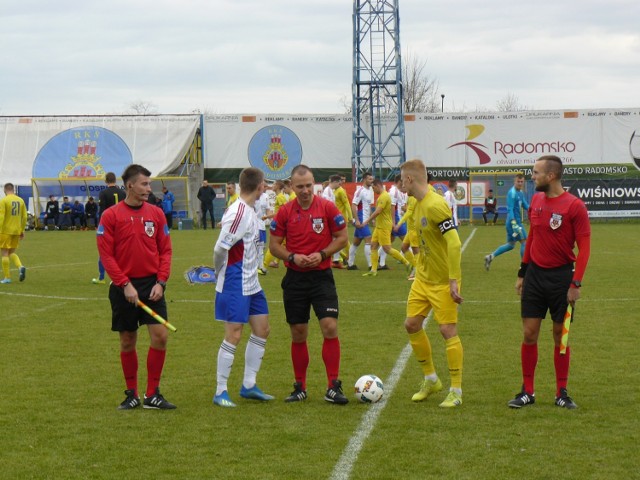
(369, 389)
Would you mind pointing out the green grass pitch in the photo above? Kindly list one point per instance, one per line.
(60, 377)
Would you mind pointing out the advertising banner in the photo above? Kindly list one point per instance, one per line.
(81, 147)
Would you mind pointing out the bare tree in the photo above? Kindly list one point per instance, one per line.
(347, 104)
(142, 107)
(510, 103)
(420, 90)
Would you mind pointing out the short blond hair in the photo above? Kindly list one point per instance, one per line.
(416, 168)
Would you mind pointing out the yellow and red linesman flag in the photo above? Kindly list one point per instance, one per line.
(156, 316)
(564, 340)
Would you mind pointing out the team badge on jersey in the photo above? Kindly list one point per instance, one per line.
(149, 228)
(555, 221)
(318, 224)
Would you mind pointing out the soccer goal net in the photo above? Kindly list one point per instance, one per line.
(479, 184)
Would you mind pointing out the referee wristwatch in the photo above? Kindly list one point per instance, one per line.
(290, 258)
(576, 283)
(162, 284)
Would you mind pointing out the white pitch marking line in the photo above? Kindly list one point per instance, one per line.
(342, 470)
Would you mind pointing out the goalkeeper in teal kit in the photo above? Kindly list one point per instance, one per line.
(516, 203)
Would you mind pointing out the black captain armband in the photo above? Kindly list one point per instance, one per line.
(446, 225)
(522, 270)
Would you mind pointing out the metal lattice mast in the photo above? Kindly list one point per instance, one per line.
(377, 108)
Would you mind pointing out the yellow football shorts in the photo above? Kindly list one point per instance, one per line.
(382, 236)
(414, 241)
(9, 241)
(424, 296)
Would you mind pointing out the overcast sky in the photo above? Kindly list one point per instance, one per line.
(295, 56)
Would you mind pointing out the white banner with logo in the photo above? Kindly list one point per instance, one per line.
(79, 147)
(582, 138)
(277, 143)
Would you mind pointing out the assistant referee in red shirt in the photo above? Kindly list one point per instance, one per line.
(135, 248)
(314, 229)
(548, 280)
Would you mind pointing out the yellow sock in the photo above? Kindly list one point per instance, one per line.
(398, 256)
(454, 358)
(422, 350)
(5, 267)
(268, 258)
(15, 259)
(411, 257)
(374, 259)
(344, 253)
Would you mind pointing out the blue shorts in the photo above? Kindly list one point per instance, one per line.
(237, 308)
(402, 231)
(511, 238)
(364, 232)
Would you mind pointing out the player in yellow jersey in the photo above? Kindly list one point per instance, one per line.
(410, 243)
(281, 198)
(344, 205)
(232, 196)
(437, 284)
(13, 220)
(288, 190)
(382, 233)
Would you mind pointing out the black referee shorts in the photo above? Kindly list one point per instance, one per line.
(302, 290)
(127, 317)
(546, 289)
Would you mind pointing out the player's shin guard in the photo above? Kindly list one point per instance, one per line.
(529, 358)
(155, 364)
(503, 249)
(6, 267)
(253, 359)
(15, 259)
(101, 270)
(226, 355)
(374, 260)
(300, 360)
(398, 256)
(331, 359)
(411, 257)
(352, 254)
(344, 253)
(367, 253)
(382, 257)
(455, 356)
(129, 362)
(561, 363)
(422, 350)
(268, 258)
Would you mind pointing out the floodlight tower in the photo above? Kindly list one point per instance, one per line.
(378, 118)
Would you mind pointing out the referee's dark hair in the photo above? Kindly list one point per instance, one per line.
(133, 171)
(553, 165)
(300, 170)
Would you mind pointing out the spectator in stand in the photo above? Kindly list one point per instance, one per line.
(490, 207)
(206, 195)
(65, 219)
(77, 213)
(91, 212)
(167, 206)
(51, 211)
